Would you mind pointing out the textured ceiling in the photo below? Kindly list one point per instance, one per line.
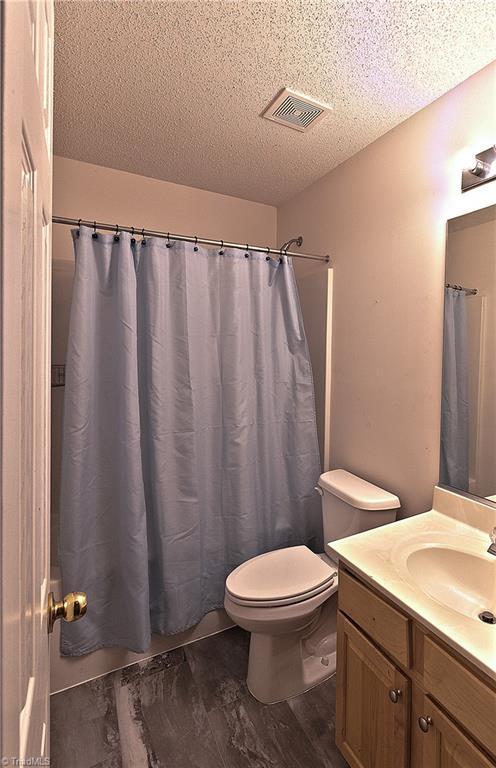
(174, 90)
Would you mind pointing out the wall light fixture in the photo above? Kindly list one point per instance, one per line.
(483, 170)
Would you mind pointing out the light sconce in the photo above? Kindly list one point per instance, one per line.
(483, 170)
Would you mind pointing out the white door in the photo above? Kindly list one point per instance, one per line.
(26, 178)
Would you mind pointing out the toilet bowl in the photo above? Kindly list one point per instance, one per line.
(289, 622)
(287, 599)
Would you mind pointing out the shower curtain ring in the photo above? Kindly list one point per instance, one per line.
(95, 233)
(267, 258)
(281, 260)
(221, 252)
(79, 227)
(143, 241)
(116, 236)
(196, 244)
(133, 239)
(247, 255)
(168, 243)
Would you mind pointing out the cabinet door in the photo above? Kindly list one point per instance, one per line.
(373, 705)
(443, 745)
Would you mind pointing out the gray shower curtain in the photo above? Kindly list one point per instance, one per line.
(454, 470)
(189, 438)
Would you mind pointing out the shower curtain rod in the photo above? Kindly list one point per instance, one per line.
(185, 238)
(468, 291)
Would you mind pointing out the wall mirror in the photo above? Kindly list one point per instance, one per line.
(468, 410)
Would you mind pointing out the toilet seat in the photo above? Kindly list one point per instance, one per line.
(283, 577)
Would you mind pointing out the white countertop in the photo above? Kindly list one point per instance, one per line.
(379, 556)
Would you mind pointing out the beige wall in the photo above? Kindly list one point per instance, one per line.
(313, 291)
(91, 192)
(382, 217)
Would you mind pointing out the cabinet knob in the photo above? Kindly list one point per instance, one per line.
(425, 723)
(394, 695)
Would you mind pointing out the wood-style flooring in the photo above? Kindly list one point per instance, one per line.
(190, 708)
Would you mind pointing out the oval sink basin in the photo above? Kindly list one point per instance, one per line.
(462, 581)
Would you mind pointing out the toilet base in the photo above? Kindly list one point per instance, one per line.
(283, 666)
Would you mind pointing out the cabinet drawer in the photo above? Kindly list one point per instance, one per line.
(461, 693)
(384, 624)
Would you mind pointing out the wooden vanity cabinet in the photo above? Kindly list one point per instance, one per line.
(442, 744)
(405, 700)
(372, 719)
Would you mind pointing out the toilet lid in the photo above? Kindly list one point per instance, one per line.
(280, 575)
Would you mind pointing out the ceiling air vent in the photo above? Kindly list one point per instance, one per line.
(295, 110)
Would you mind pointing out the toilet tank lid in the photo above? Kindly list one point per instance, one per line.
(357, 492)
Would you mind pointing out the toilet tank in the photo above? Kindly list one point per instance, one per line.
(352, 505)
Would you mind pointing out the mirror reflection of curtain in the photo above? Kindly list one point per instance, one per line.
(454, 468)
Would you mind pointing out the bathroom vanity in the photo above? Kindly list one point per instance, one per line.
(416, 651)
(416, 667)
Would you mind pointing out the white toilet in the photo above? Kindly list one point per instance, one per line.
(287, 599)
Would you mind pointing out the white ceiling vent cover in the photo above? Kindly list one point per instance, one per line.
(295, 110)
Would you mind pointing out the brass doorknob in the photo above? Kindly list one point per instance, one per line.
(394, 695)
(71, 608)
(425, 723)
